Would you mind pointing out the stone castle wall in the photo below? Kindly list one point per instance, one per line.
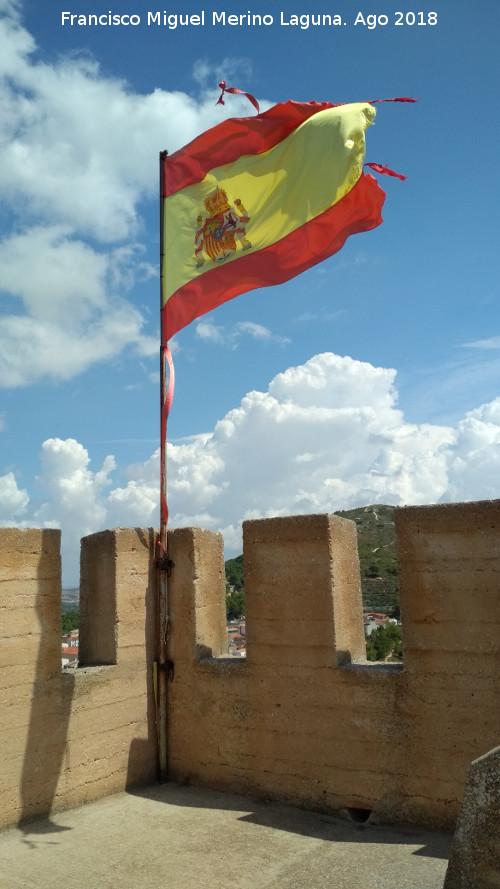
(68, 737)
(303, 718)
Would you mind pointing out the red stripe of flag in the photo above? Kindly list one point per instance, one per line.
(229, 140)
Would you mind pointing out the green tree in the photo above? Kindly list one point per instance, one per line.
(384, 641)
(372, 570)
(235, 572)
(235, 605)
(70, 620)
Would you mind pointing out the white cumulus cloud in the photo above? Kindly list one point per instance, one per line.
(326, 435)
(230, 336)
(73, 495)
(79, 158)
(13, 500)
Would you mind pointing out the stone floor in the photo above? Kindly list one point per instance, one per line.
(183, 837)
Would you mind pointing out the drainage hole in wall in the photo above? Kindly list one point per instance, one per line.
(359, 816)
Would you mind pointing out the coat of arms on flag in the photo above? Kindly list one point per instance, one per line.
(217, 234)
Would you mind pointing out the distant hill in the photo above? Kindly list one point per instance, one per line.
(70, 600)
(377, 558)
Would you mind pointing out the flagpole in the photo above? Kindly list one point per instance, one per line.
(162, 561)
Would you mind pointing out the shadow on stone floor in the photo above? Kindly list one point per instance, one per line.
(316, 825)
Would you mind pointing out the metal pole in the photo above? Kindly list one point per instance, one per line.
(161, 555)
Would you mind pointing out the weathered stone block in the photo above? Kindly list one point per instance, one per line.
(475, 853)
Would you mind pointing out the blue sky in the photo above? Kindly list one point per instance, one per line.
(373, 377)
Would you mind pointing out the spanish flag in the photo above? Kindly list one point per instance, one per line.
(255, 201)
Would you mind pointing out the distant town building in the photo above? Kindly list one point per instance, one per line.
(69, 648)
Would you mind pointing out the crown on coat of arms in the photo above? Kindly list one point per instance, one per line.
(216, 202)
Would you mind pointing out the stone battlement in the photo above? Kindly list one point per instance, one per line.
(303, 718)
